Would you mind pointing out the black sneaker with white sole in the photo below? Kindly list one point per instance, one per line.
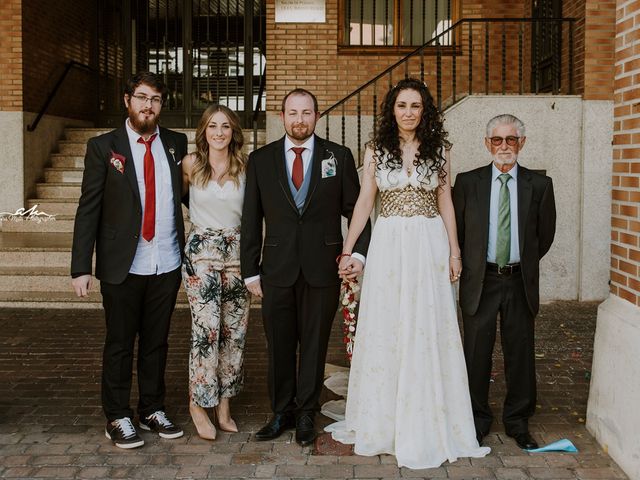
(123, 434)
(159, 423)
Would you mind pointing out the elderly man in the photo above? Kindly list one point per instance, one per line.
(300, 185)
(506, 220)
(130, 210)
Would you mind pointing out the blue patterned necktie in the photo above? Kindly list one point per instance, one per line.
(503, 242)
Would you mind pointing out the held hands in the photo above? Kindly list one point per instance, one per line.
(349, 267)
(255, 288)
(455, 268)
(82, 284)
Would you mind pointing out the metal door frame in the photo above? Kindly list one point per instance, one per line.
(112, 111)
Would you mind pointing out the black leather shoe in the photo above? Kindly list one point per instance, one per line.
(305, 430)
(525, 441)
(276, 426)
(479, 437)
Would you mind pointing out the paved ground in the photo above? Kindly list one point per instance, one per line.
(51, 423)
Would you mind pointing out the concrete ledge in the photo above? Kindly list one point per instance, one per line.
(613, 412)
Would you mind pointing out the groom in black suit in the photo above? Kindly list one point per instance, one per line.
(301, 186)
(506, 219)
(130, 210)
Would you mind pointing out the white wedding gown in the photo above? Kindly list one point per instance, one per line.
(408, 394)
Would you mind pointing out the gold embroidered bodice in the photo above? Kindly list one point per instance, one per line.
(409, 201)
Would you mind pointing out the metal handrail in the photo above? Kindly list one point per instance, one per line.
(71, 64)
(433, 41)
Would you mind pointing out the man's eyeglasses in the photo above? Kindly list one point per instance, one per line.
(511, 141)
(155, 101)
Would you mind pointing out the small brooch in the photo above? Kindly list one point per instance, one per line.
(172, 152)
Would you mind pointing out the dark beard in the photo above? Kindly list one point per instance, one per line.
(143, 127)
(301, 137)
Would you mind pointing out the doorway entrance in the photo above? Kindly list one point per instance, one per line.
(207, 51)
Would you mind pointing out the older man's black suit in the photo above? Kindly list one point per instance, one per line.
(296, 262)
(485, 293)
(109, 216)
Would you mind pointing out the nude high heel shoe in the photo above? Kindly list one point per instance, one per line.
(203, 424)
(228, 425)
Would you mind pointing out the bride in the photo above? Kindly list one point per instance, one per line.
(408, 393)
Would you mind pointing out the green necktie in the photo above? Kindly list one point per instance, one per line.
(503, 242)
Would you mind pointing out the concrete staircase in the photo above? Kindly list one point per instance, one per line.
(35, 257)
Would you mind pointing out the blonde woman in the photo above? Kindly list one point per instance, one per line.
(219, 300)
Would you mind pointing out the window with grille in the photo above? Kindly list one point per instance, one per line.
(386, 23)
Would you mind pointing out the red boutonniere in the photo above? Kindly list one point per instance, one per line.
(349, 306)
(117, 161)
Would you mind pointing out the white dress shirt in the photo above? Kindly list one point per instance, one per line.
(162, 253)
(493, 214)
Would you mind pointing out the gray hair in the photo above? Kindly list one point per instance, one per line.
(505, 119)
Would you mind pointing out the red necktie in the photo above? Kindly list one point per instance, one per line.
(149, 218)
(296, 172)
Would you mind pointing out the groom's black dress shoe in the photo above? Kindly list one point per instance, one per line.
(278, 424)
(525, 441)
(305, 429)
(479, 437)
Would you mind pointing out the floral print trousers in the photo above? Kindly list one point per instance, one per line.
(219, 302)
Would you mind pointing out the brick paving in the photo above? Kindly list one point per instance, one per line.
(51, 423)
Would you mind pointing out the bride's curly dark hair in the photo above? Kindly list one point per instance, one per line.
(430, 134)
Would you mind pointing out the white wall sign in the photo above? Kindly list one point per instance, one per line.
(300, 11)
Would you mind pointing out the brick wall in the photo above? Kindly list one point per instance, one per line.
(625, 205)
(599, 31)
(11, 55)
(307, 55)
(53, 36)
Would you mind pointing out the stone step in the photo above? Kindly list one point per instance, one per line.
(55, 206)
(67, 147)
(22, 299)
(58, 190)
(82, 135)
(31, 250)
(34, 279)
(26, 299)
(43, 279)
(59, 160)
(62, 175)
(40, 224)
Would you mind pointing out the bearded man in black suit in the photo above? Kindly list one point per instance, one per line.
(130, 210)
(506, 219)
(300, 186)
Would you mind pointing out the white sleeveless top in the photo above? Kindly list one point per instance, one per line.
(216, 206)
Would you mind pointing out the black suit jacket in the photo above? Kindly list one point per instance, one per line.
(309, 241)
(536, 229)
(109, 212)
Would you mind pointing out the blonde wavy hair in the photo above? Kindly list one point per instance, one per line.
(201, 172)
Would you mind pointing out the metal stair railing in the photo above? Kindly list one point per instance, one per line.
(474, 55)
(52, 94)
